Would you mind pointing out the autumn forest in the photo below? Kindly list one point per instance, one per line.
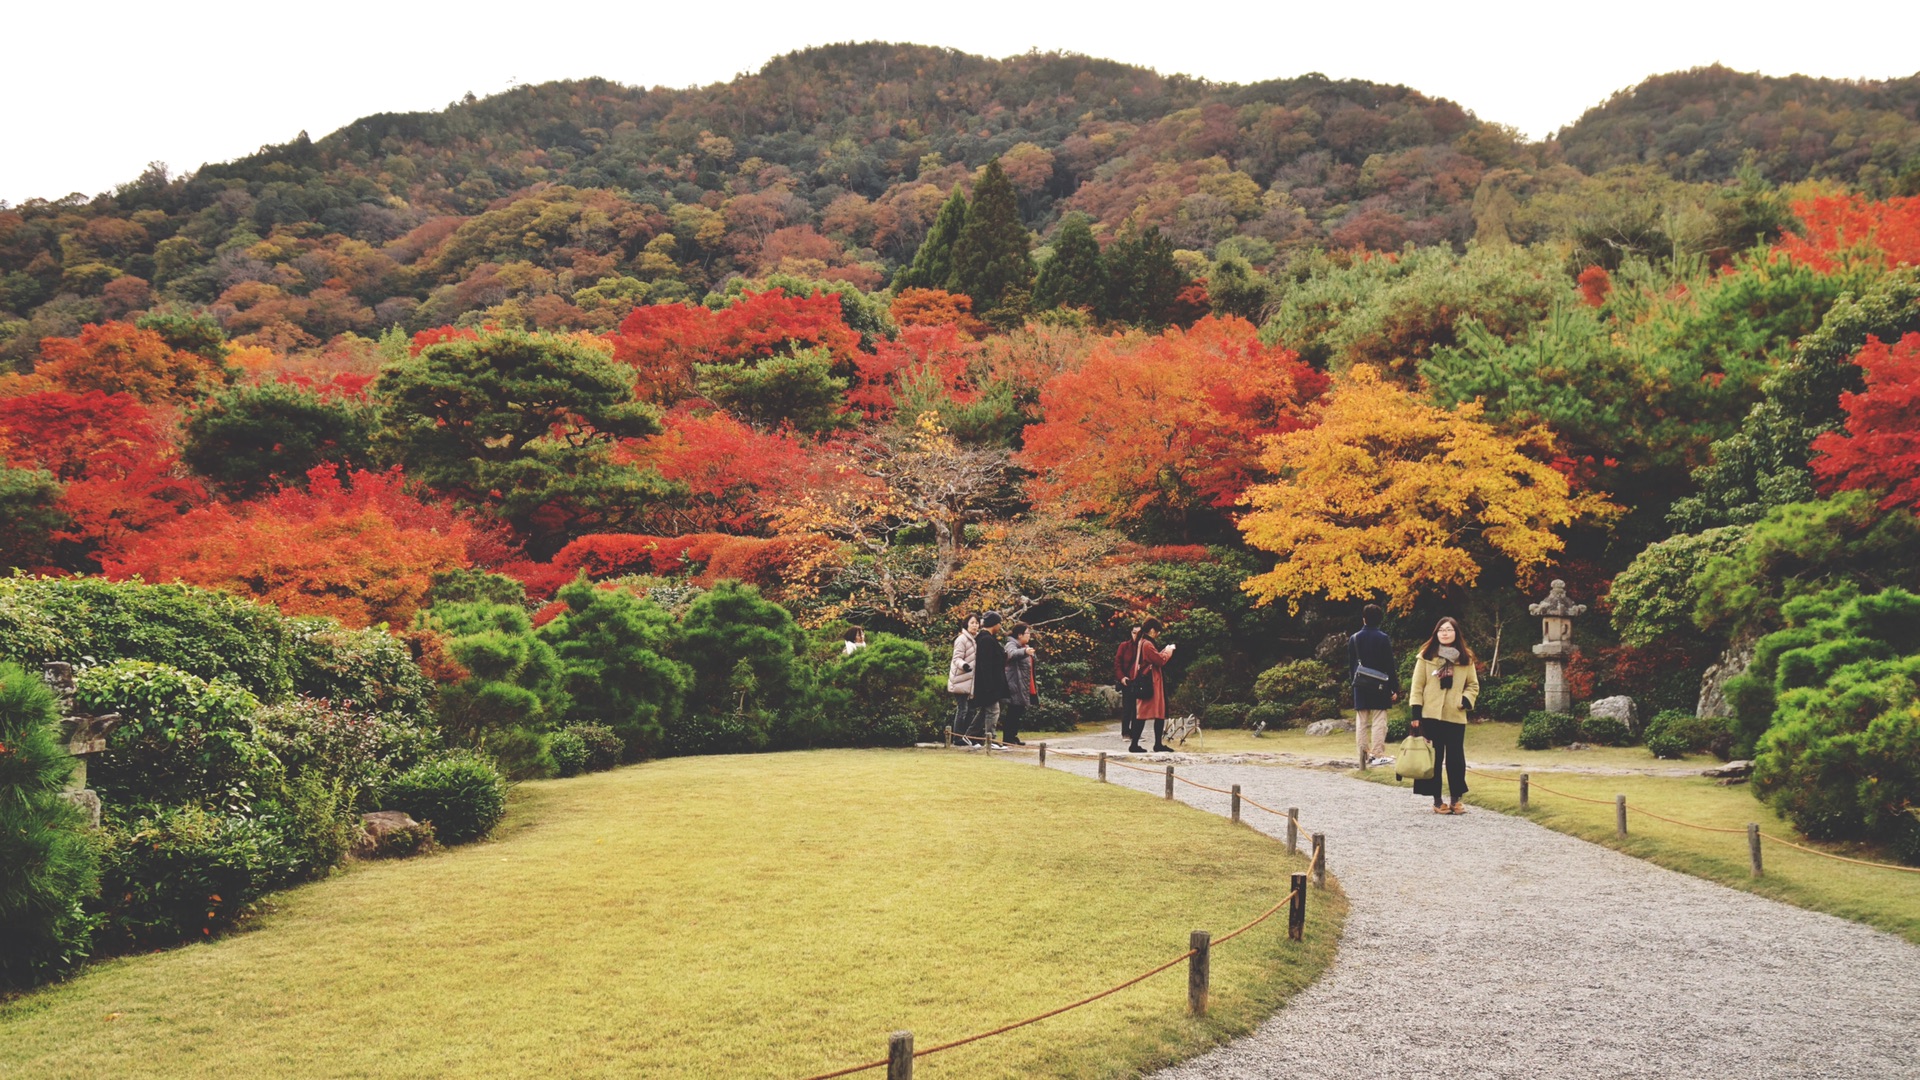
(586, 412)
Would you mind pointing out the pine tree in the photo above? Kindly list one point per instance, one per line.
(47, 864)
(1143, 281)
(992, 257)
(1076, 276)
(932, 265)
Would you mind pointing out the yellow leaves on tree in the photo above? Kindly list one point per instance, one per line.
(1390, 496)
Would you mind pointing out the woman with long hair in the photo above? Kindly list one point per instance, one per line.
(960, 674)
(1445, 686)
(1149, 677)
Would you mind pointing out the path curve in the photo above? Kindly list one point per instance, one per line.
(1487, 946)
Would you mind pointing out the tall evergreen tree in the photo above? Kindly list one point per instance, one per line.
(932, 265)
(1143, 281)
(992, 257)
(47, 865)
(1076, 276)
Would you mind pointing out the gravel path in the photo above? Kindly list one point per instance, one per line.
(1542, 956)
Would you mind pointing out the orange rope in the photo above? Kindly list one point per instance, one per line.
(1842, 858)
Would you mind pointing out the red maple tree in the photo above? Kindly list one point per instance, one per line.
(1881, 447)
(663, 341)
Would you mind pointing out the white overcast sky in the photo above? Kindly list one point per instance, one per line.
(90, 94)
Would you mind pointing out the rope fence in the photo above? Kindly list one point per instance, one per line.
(1621, 809)
(901, 1053)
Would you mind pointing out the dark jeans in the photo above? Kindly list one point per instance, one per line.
(1010, 715)
(1129, 724)
(1449, 756)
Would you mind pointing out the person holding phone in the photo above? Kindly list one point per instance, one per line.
(1148, 683)
(1445, 686)
(960, 673)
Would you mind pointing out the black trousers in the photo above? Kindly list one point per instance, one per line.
(1129, 723)
(1010, 714)
(1449, 757)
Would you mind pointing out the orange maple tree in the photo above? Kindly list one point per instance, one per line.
(119, 357)
(359, 548)
(1166, 425)
(734, 473)
(663, 341)
(1880, 449)
(1836, 229)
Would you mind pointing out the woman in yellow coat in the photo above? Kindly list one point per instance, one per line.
(1445, 686)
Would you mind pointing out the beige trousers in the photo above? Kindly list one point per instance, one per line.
(1370, 722)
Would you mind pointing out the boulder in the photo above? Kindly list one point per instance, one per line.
(1329, 727)
(1713, 682)
(1732, 770)
(1619, 708)
(391, 833)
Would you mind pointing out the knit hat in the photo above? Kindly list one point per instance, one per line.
(990, 619)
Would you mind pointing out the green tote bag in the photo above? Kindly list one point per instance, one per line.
(1415, 760)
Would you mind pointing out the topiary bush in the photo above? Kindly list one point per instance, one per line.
(568, 751)
(48, 863)
(1605, 731)
(1294, 681)
(1509, 698)
(1675, 733)
(1542, 730)
(461, 793)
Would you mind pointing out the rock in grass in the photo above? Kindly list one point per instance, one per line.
(1732, 770)
(1621, 708)
(1329, 727)
(392, 834)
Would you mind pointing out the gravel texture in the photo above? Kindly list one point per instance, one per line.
(1486, 946)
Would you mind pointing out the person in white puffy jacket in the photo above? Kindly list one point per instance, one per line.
(960, 672)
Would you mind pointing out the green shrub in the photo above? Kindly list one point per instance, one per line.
(367, 670)
(604, 746)
(48, 863)
(888, 678)
(181, 739)
(1542, 730)
(614, 651)
(1273, 716)
(1048, 714)
(1674, 733)
(1398, 728)
(1316, 708)
(1293, 682)
(1671, 743)
(1905, 837)
(360, 752)
(460, 793)
(1225, 714)
(1509, 698)
(185, 873)
(568, 751)
(1605, 731)
(723, 733)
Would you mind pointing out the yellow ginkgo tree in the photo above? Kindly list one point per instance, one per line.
(1389, 496)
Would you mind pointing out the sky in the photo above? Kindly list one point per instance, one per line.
(91, 98)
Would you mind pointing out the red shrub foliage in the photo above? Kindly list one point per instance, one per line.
(357, 548)
(119, 357)
(734, 474)
(1835, 228)
(1881, 447)
(663, 341)
(946, 350)
(1595, 283)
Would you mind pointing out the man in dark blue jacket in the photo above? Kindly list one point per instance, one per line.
(1370, 669)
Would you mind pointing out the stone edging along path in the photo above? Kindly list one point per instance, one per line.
(1487, 946)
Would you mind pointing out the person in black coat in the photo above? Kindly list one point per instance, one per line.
(989, 680)
(1370, 671)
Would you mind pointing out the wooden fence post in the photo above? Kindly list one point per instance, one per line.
(1198, 971)
(1320, 860)
(1297, 909)
(900, 1056)
(1169, 781)
(1293, 830)
(1103, 766)
(1236, 804)
(1523, 787)
(1753, 846)
(949, 733)
(1043, 755)
(1620, 816)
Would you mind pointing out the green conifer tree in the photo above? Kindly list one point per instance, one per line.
(932, 265)
(993, 256)
(1143, 281)
(1076, 276)
(47, 864)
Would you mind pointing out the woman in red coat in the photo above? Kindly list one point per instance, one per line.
(1150, 662)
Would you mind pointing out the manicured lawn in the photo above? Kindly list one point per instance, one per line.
(1887, 899)
(770, 915)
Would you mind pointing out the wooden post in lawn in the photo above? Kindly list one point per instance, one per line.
(900, 1056)
(1753, 846)
(949, 733)
(1199, 967)
(1320, 860)
(1297, 909)
(1620, 816)
(1043, 755)
(1293, 830)
(1523, 791)
(1103, 766)
(1236, 804)
(1169, 781)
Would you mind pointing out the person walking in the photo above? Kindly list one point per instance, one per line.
(1122, 675)
(1150, 663)
(1370, 672)
(1023, 691)
(1445, 686)
(989, 681)
(960, 674)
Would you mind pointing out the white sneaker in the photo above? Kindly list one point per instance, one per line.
(1376, 762)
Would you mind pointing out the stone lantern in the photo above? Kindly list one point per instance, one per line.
(1557, 613)
(86, 735)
